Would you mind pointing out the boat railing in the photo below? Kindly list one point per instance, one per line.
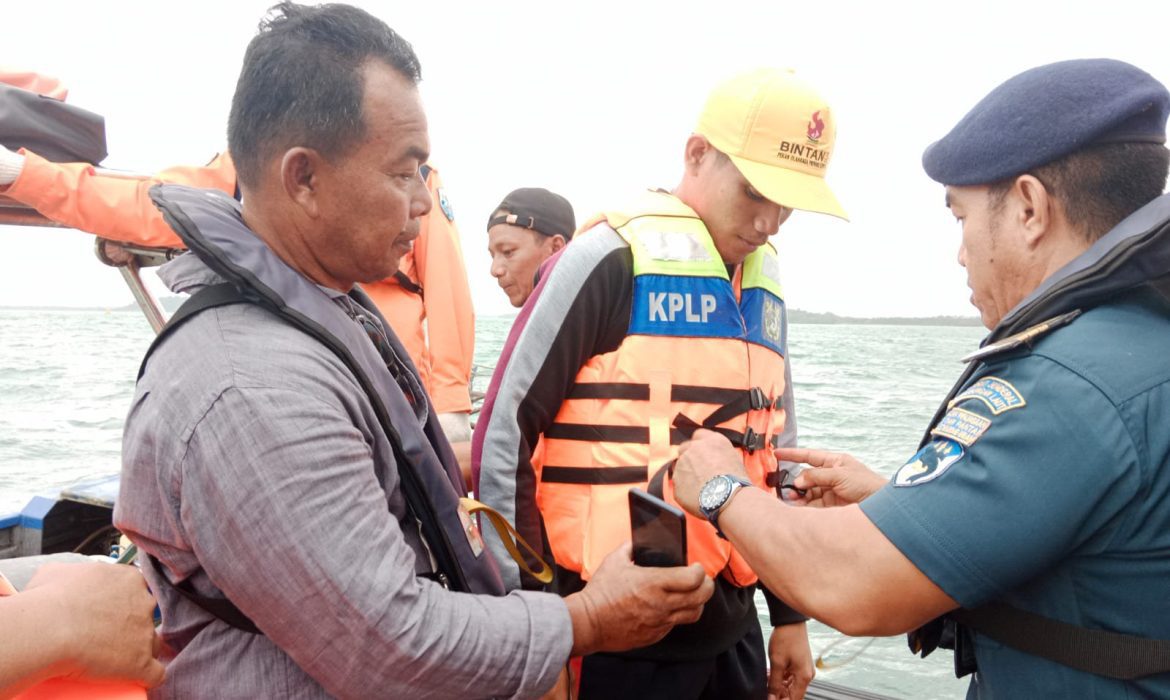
(481, 376)
(130, 259)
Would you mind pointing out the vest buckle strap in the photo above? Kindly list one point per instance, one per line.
(751, 441)
(753, 399)
(758, 400)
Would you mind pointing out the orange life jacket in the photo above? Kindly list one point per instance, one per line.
(702, 349)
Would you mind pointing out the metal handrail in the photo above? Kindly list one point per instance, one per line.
(127, 257)
(130, 259)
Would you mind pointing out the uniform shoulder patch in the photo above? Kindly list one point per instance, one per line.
(998, 394)
(962, 426)
(445, 205)
(929, 463)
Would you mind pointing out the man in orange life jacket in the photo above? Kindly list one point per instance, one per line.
(427, 301)
(661, 318)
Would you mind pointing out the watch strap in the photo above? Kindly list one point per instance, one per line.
(738, 482)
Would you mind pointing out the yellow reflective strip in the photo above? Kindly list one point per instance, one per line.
(761, 270)
(672, 246)
(510, 538)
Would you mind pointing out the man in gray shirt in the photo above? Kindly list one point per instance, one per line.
(273, 455)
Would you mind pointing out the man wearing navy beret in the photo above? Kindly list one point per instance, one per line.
(1030, 532)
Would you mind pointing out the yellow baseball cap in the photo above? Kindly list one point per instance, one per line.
(779, 132)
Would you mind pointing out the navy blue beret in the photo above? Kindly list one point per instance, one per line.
(1048, 112)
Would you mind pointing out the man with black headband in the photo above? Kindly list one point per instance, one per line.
(527, 228)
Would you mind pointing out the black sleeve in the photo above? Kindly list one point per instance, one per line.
(778, 611)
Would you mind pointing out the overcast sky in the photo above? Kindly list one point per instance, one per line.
(595, 100)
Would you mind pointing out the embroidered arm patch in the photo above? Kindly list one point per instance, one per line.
(962, 426)
(929, 463)
(998, 394)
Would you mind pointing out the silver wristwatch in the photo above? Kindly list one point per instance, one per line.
(716, 494)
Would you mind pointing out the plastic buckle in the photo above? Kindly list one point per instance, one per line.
(752, 440)
(784, 481)
(757, 399)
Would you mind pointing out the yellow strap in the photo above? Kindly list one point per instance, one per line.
(510, 538)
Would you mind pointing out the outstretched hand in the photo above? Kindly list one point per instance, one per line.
(626, 606)
(836, 479)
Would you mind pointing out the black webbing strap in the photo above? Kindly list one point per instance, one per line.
(679, 393)
(407, 283)
(1110, 654)
(224, 294)
(207, 298)
(598, 433)
(593, 476)
(221, 608)
(751, 400)
(654, 487)
(683, 428)
(221, 294)
(626, 391)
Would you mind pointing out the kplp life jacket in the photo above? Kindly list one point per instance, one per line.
(702, 350)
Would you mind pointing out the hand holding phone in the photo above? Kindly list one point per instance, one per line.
(658, 529)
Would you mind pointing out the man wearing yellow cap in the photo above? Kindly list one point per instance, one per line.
(661, 318)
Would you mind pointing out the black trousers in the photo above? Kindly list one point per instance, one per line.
(739, 672)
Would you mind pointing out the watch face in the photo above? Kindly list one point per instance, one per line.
(714, 493)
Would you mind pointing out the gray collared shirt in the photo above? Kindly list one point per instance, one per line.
(253, 465)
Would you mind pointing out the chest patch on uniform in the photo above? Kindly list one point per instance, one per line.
(445, 205)
(999, 395)
(962, 426)
(929, 463)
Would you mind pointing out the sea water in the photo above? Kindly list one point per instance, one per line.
(67, 376)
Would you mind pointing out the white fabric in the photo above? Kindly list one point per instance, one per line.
(10, 166)
(456, 426)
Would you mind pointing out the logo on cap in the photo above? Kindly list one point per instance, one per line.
(816, 127)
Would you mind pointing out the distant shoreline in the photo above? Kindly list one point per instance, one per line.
(798, 316)
(170, 303)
